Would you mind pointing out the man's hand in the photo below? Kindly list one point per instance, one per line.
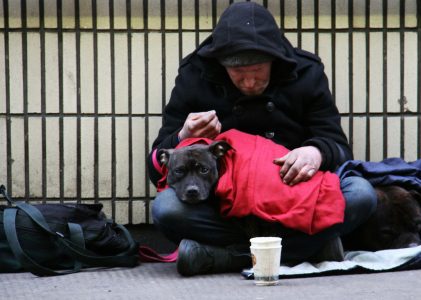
(201, 124)
(299, 165)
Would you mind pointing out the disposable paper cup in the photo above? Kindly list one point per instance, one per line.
(266, 258)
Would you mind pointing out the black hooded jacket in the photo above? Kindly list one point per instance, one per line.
(295, 110)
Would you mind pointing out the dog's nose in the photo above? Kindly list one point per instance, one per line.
(192, 192)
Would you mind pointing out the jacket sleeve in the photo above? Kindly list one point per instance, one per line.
(324, 123)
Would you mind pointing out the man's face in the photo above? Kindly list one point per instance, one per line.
(251, 80)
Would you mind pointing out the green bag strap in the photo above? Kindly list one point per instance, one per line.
(133, 245)
(37, 217)
(125, 259)
(26, 262)
(76, 236)
(93, 260)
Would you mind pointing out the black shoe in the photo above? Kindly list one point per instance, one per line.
(331, 251)
(194, 258)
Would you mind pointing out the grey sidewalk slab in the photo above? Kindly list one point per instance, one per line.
(161, 281)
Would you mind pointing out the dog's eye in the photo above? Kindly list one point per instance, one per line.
(204, 170)
(179, 171)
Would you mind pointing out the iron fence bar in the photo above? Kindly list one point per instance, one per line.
(282, 14)
(419, 77)
(113, 110)
(385, 120)
(24, 37)
(299, 23)
(43, 104)
(214, 13)
(7, 92)
(265, 3)
(402, 98)
(163, 56)
(180, 29)
(147, 129)
(130, 108)
(78, 105)
(164, 72)
(333, 33)
(316, 27)
(196, 22)
(367, 81)
(60, 88)
(96, 98)
(350, 73)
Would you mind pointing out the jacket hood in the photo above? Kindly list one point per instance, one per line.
(247, 26)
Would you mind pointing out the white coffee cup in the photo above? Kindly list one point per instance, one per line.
(266, 258)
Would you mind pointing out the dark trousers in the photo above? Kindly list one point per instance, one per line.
(204, 224)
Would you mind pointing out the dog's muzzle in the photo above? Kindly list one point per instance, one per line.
(192, 195)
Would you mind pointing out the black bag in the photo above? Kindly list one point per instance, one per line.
(57, 239)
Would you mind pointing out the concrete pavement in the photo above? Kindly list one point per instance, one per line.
(157, 281)
(161, 281)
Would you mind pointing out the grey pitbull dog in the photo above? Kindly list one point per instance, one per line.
(193, 170)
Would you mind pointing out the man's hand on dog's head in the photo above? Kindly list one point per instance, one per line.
(200, 124)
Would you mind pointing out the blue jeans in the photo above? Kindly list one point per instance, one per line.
(203, 223)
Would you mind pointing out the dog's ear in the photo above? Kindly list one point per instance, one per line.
(164, 155)
(219, 148)
(416, 195)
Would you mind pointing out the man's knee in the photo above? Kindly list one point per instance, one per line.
(361, 200)
(359, 193)
(166, 208)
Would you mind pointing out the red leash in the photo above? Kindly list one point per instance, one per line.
(147, 254)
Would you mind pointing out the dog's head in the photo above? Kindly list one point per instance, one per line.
(193, 170)
(395, 224)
